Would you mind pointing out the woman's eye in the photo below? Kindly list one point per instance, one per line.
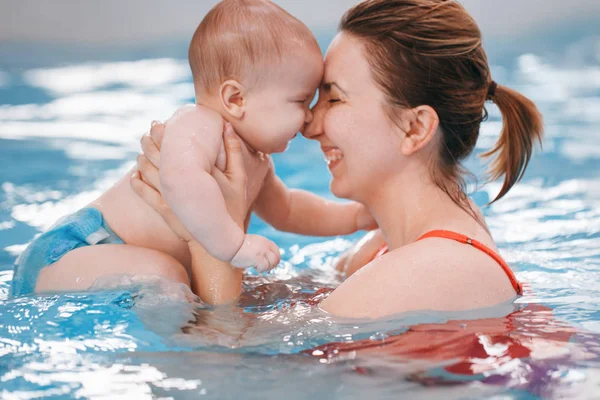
(334, 100)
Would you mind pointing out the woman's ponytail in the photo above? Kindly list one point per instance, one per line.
(522, 126)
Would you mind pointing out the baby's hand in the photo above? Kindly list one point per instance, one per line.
(257, 252)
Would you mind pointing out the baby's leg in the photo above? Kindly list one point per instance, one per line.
(79, 268)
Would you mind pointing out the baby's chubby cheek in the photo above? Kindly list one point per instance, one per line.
(285, 130)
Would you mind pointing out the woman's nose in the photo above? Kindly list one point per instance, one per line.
(314, 126)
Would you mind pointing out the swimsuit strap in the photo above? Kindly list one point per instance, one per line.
(467, 240)
(479, 246)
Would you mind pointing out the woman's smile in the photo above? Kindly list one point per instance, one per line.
(333, 156)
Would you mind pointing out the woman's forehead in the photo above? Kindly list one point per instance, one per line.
(345, 62)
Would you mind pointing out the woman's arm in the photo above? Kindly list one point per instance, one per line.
(361, 253)
(214, 281)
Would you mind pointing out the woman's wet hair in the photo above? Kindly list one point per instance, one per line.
(429, 52)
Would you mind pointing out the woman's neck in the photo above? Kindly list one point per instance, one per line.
(405, 208)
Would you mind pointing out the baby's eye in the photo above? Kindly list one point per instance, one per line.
(334, 101)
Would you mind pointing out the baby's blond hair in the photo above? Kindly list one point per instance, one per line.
(241, 39)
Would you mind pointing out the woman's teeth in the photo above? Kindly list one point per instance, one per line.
(333, 155)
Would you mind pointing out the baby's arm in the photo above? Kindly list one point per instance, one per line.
(302, 212)
(189, 151)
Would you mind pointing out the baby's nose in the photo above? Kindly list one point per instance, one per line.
(310, 130)
(308, 118)
(314, 124)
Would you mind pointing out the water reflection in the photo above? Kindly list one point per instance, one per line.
(90, 77)
(500, 351)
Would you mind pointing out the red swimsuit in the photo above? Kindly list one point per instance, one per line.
(466, 240)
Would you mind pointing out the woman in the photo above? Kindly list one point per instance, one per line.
(400, 107)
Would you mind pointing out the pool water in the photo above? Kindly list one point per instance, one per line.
(69, 129)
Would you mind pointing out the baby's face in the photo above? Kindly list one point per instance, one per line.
(277, 111)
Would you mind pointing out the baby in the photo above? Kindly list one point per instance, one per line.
(255, 67)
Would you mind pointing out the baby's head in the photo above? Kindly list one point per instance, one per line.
(259, 67)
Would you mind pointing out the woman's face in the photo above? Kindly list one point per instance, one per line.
(358, 139)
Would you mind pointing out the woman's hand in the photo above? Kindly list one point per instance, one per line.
(146, 181)
(233, 181)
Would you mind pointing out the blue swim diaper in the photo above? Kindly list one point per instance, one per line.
(86, 227)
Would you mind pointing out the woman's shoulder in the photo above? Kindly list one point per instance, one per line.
(432, 274)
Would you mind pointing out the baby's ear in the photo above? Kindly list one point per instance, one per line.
(231, 94)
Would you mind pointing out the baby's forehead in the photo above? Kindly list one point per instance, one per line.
(300, 68)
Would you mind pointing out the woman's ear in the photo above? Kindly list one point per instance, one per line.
(424, 123)
(231, 94)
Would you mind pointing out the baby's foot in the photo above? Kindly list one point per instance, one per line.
(257, 252)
